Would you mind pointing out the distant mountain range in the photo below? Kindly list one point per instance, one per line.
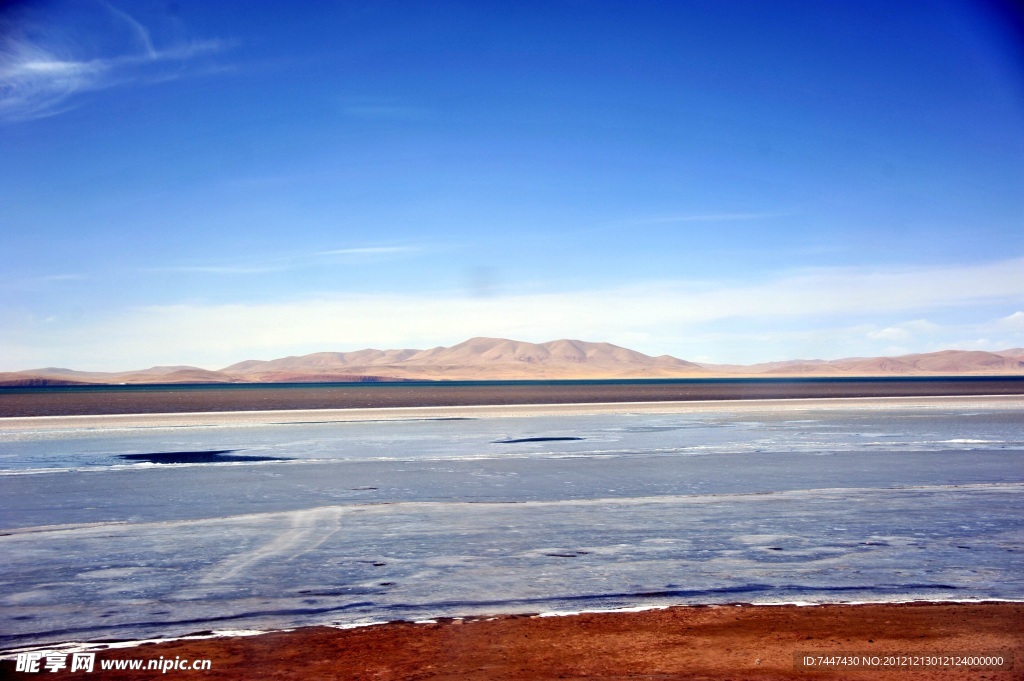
(501, 359)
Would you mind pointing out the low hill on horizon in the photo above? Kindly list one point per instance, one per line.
(941, 363)
(502, 359)
(478, 359)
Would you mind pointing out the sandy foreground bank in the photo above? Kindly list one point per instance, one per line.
(298, 416)
(896, 641)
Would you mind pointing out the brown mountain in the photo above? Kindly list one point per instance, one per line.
(792, 366)
(321, 362)
(498, 358)
(175, 374)
(1013, 353)
(475, 359)
(943, 363)
(29, 379)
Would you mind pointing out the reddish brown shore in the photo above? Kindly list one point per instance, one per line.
(724, 642)
(149, 399)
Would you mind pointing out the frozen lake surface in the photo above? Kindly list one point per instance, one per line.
(134, 531)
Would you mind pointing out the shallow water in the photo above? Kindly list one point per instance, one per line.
(279, 525)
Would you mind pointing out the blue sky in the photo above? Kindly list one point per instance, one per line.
(201, 183)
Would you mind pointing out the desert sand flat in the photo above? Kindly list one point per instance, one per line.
(889, 641)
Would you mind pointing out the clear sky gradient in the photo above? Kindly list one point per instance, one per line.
(205, 182)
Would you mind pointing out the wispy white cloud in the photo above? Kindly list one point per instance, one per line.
(379, 109)
(60, 277)
(683, 218)
(905, 330)
(824, 313)
(219, 269)
(40, 282)
(41, 77)
(141, 34)
(34, 83)
(890, 333)
(371, 250)
(706, 217)
(1013, 321)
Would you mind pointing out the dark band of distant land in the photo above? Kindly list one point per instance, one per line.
(143, 399)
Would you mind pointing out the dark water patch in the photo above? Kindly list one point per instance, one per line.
(345, 591)
(322, 422)
(567, 554)
(209, 456)
(536, 439)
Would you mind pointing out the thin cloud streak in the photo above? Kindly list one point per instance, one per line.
(60, 277)
(140, 31)
(297, 262)
(370, 250)
(707, 217)
(41, 282)
(377, 109)
(219, 269)
(685, 218)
